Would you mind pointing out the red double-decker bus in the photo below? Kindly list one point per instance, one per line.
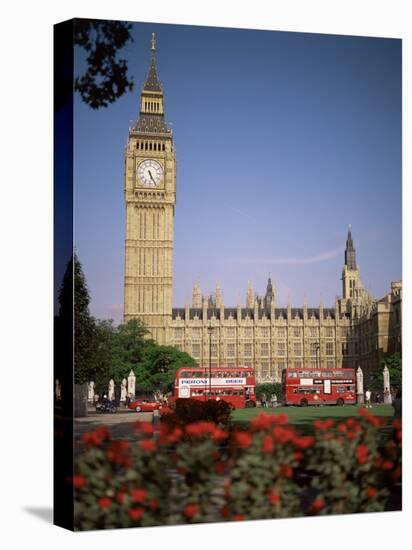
(236, 385)
(318, 387)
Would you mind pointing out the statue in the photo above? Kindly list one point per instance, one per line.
(387, 398)
(359, 386)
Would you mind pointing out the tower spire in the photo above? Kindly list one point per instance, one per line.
(152, 82)
(350, 252)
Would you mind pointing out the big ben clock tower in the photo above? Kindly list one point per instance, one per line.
(150, 196)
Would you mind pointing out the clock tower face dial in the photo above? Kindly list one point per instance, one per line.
(150, 173)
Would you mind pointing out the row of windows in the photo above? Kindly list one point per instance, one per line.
(150, 146)
(264, 332)
(152, 106)
(264, 349)
(217, 374)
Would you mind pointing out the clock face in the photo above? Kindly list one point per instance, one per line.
(150, 173)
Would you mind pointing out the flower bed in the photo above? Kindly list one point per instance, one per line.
(200, 472)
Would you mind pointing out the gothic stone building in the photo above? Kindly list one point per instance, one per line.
(357, 331)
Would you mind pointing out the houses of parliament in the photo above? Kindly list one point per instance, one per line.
(358, 330)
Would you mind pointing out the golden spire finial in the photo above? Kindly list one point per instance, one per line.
(153, 41)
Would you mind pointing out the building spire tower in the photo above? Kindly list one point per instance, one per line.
(150, 197)
(353, 292)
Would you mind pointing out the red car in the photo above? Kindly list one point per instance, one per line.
(145, 405)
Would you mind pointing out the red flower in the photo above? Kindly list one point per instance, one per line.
(117, 452)
(243, 439)
(397, 423)
(218, 434)
(351, 422)
(286, 471)
(304, 442)
(283, 435)
(387, 465)
(79, 481)
(298, 456)
(262, 421)
(224, 511)
(268, 444)
(371, 492)
(145, 427)
(323, 424)
(239, 517)
(341, 427)
(136, 514)
(191, 510)
(148, 445)
(362, 452)
(153, 504)
(104, 502)
(274, 496)
(317, 505)
(200, 429)
(220, 467)
(280, 418)
(138, 495)
(120, 497)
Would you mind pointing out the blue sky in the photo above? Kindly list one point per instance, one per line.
(282, 139)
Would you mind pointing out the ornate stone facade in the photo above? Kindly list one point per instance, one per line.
(357, 331)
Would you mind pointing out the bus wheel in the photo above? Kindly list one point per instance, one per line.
(340, 402)
(304, 403)
(250, 404)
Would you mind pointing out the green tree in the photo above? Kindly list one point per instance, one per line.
(159, 365)
(84, 325)
(128, 344)
(102, 351)
(74, 316)
(375, 379)
(105, 77)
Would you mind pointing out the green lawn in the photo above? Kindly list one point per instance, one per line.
(305, 415)
(302, 417)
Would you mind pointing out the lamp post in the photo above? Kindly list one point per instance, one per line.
(317, 355)
(210, 331)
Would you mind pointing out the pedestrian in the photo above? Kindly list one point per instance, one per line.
(263, 400)
(397, 405)
(368, 399)
(274, 400)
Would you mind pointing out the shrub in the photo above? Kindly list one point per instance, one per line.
(197, 472)
(187, 411)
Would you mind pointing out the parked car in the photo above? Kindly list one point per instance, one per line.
(145, 405)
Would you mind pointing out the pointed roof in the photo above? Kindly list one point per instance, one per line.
(152, 82)
(350, 253)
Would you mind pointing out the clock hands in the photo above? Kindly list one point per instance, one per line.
(151, 177)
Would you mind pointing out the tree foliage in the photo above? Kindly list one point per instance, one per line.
(128, 347)
(394, 364)
(84, 326)
(159, 365)
(105, 78)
